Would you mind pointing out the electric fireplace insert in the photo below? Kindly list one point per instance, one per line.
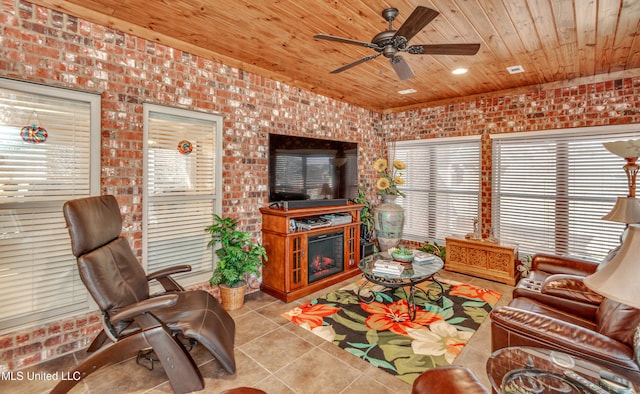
(326, 255)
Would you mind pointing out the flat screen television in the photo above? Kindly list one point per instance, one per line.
(302, 168)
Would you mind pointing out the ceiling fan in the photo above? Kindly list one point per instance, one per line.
(390, 43)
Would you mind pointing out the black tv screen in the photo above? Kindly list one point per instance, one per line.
(302, 168)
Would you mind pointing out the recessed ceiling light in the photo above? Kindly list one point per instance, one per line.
(459, 71)
(407, 91)
(515, 69)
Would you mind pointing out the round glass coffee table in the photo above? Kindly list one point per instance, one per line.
(522, 369)
(412, 275)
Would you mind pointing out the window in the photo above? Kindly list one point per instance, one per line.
(442, 185)
(551, 189)
(183, 175)
(39, 279)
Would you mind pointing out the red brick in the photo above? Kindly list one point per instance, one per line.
(39, 333)
(53, 341)
(22, 339)
(6, 342)
(27, 349)
(6, 356)
(28, 361)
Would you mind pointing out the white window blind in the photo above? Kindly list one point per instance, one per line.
(39, 279)
(442, 185)
(182, 190)
(551, 189)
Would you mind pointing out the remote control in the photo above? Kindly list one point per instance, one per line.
(612, 377)
(615, 388)
(592, 387)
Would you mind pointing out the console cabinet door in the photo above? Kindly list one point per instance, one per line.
(297, 261)
(352, 247)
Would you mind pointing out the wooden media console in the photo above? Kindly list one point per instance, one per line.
(300, 260)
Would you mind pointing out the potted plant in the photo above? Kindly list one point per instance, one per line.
(402, 255)
(390, 177)
(435, 249)
(366, 215)
(238, 257)
(525, 266)
(389, 217)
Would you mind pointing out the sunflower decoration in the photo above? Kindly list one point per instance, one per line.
(390, 177)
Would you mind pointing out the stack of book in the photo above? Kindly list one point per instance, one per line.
(422, 257)
(387, 267)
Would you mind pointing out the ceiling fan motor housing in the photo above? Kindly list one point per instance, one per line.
(385, 43)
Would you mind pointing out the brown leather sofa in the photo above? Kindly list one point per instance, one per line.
(451, 379)
(554, 309)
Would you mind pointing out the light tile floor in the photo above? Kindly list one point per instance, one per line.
(272, 354)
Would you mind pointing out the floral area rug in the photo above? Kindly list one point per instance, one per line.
(382, 333)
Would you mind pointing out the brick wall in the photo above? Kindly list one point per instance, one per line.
(52, 48)
(49, 47)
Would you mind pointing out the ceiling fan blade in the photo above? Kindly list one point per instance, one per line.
(401, 67)
(444, 49)
(345, 40)
(419, 18)
(348, 66)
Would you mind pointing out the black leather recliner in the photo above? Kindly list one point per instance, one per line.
(133, 319)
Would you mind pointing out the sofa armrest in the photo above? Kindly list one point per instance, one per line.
(566, 293)
(555, 264)
(570, 287)
(552, 333)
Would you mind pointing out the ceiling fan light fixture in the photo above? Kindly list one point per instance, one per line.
(460, 71)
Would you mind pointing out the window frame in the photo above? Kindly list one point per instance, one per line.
(560, 234)
(190, 278)
(92, 187)
(433, 143)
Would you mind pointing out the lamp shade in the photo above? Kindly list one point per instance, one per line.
(626, 210)
(624, 149)
(618, 279)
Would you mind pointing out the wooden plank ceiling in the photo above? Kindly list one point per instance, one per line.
(553, 40)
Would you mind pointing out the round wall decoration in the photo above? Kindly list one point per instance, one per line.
(34, 134)
(185, 147)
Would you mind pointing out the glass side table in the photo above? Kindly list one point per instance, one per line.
(412, 275)
(529, 370)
